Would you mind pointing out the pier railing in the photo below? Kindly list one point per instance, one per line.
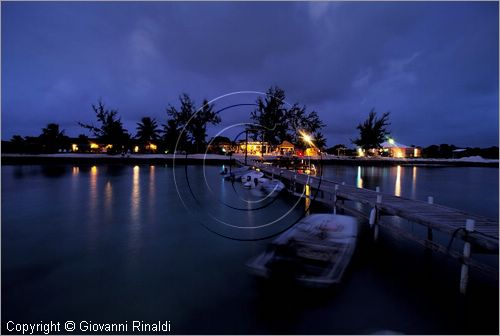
(476, 231)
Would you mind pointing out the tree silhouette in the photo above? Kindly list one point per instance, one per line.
(83, 143)
(198, 125)
(300, 121)
(279, 123)
(52, 139)
(373, 131)
(110, 129)
(319, 140)
(271, 116)
(173, 136)
(17, 144)
(147, 130)
(191, 122)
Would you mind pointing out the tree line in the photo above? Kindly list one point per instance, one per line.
(374, 131)
(273, 121)
(185, 129)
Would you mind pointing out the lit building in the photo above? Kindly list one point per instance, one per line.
(397, 150)
(311, 151)
(254, 147)
(286, 147)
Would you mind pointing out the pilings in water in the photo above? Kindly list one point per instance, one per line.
(478, 231)
(464, 272)
(430, 200)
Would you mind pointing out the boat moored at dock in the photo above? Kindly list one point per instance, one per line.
(314, 252)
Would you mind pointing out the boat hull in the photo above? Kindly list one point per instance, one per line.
(315, 252)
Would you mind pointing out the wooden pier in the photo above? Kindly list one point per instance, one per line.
(478, 233)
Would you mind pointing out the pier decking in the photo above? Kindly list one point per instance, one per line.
(477, 232)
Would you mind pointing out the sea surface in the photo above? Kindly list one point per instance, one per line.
(116, 243)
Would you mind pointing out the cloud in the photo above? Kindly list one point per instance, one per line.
(433, 65)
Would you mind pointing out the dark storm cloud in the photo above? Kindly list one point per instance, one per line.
(433, 65)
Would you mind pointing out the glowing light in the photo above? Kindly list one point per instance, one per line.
(254, 147)
(108, 199)
(359, 180)
(74, 147)
(415, 152)
(135, 223)
(307, 202)
(136, 149)
(153, 146)
(307, 138)
(397, 189)
(361, 152)
(94, 145)
(152, 188)
(414, 182)
(391, 141)
(311, 152)
(398, 153)
(93, 210)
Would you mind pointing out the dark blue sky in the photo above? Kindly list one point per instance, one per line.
(433, 65)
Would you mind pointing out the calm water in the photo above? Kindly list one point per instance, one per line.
(116, 243)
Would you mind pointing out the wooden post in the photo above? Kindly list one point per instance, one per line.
(464, 273)
(376, 215)
(335, 199)
(373, 217)
(246, 146)
(430, 200)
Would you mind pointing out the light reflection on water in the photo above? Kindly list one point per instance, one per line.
(397, 187)
(152, 189)
(414, 182)
(134, 252)
(359, 180)
(93, 208)
(307, 198)
(108, 200)
(458, 187)
(135, 220)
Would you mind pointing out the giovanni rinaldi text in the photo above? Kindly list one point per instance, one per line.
(86, 326)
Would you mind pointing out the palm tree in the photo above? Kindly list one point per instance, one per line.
(148, 133)
(147, 130)
(18, 143)
(52, 139)
(319, 140)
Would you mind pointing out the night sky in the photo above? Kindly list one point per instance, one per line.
(434, 66)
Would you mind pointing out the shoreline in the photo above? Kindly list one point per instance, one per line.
(214, 159)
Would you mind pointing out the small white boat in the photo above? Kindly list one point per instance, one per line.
(251, 176)
(236, 173)
(315, 252)
(254, 182)
(273, 186)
